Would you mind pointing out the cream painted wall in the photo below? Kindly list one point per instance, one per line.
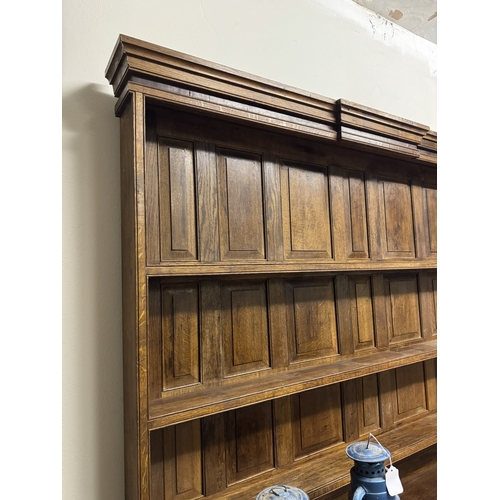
(331, 47)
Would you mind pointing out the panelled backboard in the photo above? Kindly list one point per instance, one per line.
(279, 277)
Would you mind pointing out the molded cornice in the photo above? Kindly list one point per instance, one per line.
(185, 81)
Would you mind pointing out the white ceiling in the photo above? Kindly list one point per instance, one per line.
(417, 16)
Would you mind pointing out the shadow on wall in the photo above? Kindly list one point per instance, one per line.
(92, 349)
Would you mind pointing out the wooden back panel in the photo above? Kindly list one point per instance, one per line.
(239, 222)
(258, 443)
(265, 198)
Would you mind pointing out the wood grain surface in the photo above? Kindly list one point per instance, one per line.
(279, 262)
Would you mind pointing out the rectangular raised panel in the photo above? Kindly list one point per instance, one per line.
(311, 319)
(430, 215)
(397, 238)
(424, 196)
(360, 292)
(410, 391)
(176, 463)
(407, 392)
(249, 441)
(306, 214)
(176, 196)
(241, 206)
(245, 329)
(179, 335)
(368, 404)
(402, 307)
(173, 337)
(316, 420)
(350, 219)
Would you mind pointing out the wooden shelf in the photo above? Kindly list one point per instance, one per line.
(324, 472)
(205, 401)
(272, 268)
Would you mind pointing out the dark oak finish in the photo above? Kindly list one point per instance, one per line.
(279, 280)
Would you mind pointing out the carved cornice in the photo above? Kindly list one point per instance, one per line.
(189, 82)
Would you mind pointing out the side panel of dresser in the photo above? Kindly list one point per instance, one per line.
(134, 299)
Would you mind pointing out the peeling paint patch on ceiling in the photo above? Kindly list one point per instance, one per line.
(396, 14)
(417, 16)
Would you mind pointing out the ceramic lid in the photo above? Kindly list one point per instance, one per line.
(283, 492)
(363, 452)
